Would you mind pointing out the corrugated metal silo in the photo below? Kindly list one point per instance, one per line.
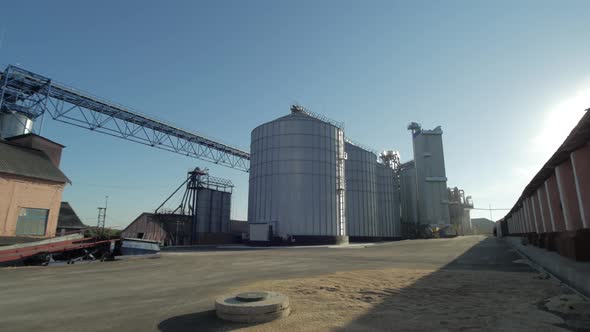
(361, 193)
(388, 205)
(297, 179)
(397, 209)
(409, 213)
(213, 211)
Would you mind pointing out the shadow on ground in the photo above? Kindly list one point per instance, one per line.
(487, 288)
(199, 321)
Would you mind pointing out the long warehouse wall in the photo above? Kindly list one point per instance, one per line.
(553, 211)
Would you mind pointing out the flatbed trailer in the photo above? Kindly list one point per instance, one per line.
(70, 248)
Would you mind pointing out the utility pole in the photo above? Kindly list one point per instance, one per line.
(102, 214)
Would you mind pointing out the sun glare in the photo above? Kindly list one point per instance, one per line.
(559, 122)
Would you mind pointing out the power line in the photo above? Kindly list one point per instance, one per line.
(121, 187)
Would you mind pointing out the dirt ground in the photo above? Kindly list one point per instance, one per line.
(487, 288)
(419, 300)
(466, 283)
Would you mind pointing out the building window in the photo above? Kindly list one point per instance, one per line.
(32, 221)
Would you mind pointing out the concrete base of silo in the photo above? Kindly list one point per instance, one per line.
(390, 238)
(365, 239)
(319, 239)
(302, 240)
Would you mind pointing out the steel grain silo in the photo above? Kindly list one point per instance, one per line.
(388, 204)
(397, 210)
(361, 194)
(297, 179)
(409, 208)
(213, 211)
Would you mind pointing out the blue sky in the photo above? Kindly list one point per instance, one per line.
(506, 80)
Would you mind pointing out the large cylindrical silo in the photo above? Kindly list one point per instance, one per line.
(397, 209)
(297, 179)
(361, 195)
(409, 197)
(388, 204)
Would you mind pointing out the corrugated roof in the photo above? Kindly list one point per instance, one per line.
(68, 217)
(18, 160)
(578, 137)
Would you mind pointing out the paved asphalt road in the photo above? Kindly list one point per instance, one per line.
(136, 295)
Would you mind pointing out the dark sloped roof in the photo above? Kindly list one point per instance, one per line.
(68, 217)
(13, 138)
(18, 160)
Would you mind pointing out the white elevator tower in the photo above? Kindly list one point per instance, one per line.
(431, 179)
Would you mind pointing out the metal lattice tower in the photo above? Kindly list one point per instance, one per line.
(102, 216)
(24, 92)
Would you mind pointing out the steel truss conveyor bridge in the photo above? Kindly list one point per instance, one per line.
(26, 93)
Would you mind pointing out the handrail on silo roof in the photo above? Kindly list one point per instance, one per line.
(302, 110)
(296, 108)
(362, 146)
